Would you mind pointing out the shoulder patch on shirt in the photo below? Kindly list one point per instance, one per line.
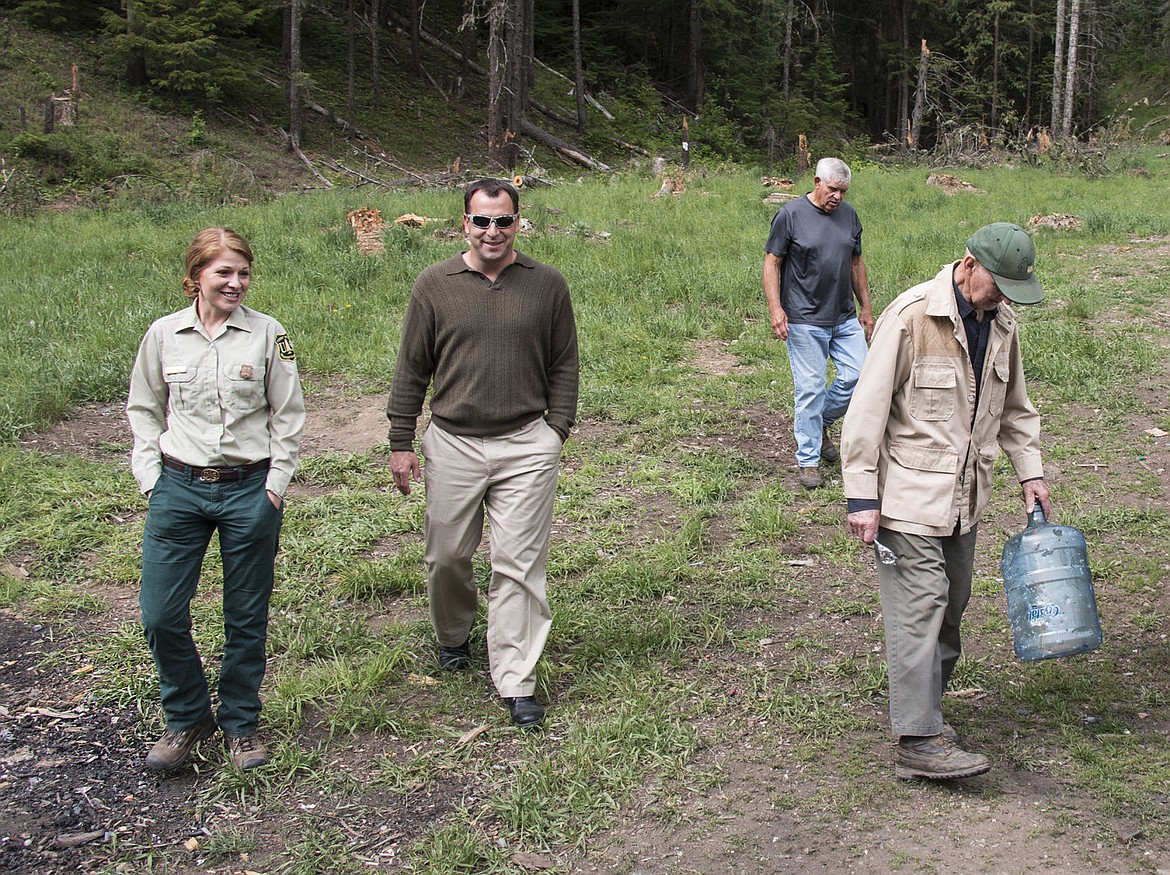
(284, 348)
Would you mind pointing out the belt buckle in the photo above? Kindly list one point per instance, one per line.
(208, 475)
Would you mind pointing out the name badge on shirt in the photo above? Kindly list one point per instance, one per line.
(171, 370)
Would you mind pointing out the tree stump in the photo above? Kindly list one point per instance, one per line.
(367, 227)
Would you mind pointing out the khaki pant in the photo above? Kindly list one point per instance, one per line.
(513, 478)
(924, 594)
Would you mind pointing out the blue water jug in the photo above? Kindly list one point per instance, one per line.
(1050, 591)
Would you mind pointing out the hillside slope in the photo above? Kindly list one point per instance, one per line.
(126, 145)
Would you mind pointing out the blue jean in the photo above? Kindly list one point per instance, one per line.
(182, 515)
(809, 349)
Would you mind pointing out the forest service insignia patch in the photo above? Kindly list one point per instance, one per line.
(285, 348)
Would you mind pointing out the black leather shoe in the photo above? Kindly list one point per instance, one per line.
(525, 711)
(455, 658)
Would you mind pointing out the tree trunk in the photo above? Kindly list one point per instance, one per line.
(528, 48)
(415, 39)
(1070, 80)
(497, 56)
(567, 151)
(789, 13)
(695, 58)
(904, 75)
(995, 75)
(376, 54)
(1090, 35)
(351, 60)
(1026, 118)
(578, 68)
(136, 57)
(515, 77)
(919, 99)
(294, 76)
(467, 38)
(1058, 71)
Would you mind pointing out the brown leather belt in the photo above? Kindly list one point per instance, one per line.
(215, 475)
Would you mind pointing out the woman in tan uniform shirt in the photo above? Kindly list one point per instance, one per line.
(217, 413)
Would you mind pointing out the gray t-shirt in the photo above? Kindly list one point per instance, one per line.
(816, 283)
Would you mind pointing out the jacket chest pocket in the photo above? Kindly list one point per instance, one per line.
(932, 395)
(244, 386)
(995, 385)
(180, 380)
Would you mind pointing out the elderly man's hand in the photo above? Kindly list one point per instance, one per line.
(865, 317)
(1036, 491)
(863, 524)
(780, 324)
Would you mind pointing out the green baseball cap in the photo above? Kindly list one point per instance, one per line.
(1007, 251)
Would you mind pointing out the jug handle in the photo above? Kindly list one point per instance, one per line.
(1036, 517)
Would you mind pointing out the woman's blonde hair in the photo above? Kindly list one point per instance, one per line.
(205, 248)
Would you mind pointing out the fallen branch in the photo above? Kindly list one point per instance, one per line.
(317, 173)
(446, 97)
(337, 165)
(321, 110)
(1157, 121)
(565, 150)
(636, 149)
(383, 158)
(551, 113)
(588, 97)
(430, 40)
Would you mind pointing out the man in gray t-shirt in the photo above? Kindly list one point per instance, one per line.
(813, 270)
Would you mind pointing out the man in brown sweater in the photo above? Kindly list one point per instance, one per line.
(494, 331)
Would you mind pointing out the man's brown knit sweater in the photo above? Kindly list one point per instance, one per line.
(501, 353)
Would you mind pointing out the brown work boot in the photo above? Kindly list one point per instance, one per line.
(247, 752)
(935, 757)
(810, 478)
(172, 750)
(828, 448)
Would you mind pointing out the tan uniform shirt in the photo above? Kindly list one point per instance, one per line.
(231, 399)
(914, 438)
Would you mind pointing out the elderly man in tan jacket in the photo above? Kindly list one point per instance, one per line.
(941, 393)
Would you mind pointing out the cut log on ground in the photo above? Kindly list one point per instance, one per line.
(567, 151)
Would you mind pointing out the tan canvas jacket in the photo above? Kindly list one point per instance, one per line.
(911, 437)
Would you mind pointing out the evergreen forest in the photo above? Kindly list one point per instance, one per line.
(600, 81)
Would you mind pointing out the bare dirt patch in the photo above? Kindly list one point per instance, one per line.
(338, 420)
(70, 774)
(714, 357)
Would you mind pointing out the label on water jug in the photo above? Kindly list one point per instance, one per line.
(1038, 612)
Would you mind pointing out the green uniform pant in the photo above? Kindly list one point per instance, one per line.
(182, 516)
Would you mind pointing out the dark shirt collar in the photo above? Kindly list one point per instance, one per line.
(455, 264)
(967, 309)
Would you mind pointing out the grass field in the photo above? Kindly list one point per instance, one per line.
(715, 668)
